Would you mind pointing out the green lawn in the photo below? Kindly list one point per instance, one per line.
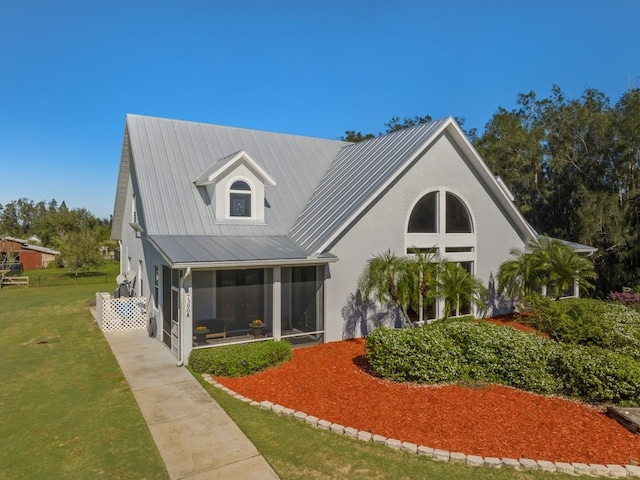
(298, 451)
(105, 277)
(66, 410)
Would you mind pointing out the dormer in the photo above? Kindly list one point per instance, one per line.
(235, 186)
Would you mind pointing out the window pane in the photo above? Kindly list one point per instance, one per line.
(424, 217)
(458, 219)
(240, 185)
(240, 205)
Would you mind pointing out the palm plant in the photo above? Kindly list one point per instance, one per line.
(424, 270)
(388, 279)
(458, 287)
(563, 266)
(518, 276)
(546, 262)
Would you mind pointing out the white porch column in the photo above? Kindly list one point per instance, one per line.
(277, 303)
(186, 317)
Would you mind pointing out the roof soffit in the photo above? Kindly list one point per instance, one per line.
(121, 187)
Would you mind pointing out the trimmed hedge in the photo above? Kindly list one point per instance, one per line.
(452, 351)
(240, 360)
(596, 375)
(589, 322)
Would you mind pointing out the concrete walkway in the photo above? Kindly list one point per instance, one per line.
(195, 436)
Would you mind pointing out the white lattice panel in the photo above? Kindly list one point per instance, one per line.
(125, 313)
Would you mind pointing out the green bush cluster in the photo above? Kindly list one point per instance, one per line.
(452, 351)
(240, 360)
(598, 375)
(589, 322)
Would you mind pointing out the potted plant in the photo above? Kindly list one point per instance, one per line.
(201, 334)
(257, 326)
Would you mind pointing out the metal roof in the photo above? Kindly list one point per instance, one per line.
(28, 246)
(357, 175)
(577, 247)
(165, 156)
(321, 186)
(195, 249)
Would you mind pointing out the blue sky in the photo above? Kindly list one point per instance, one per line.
(71, 70)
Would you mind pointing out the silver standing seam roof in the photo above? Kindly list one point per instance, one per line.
(356, 175)
(322, 186)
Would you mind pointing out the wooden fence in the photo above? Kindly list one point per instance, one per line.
(20, 281)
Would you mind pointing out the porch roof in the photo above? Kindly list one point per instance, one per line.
(191, 250)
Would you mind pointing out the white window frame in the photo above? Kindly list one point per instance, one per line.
(252, 192)
(441, 240)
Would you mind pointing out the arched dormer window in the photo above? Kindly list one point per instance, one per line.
(240, 199)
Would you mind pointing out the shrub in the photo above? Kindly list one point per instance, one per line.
(626, 298)
(451, 351)
(240, 360)
(421, 355)
(589, 322)
(454, 350)
(598, 376)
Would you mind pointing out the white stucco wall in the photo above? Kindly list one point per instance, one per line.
(383, 226)
(136, 248)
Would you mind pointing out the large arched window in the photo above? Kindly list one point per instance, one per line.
(240, 199)
(458, 219)
(430, 216)
(424, 216)
(441, 223)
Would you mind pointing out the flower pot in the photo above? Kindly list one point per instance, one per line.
(201, 337)
(257, 331)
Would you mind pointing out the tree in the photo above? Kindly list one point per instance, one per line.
(458, 287)
(424, 270)
(79, 251)
(353, 136)
(387, 277)
(394, 124)
(572, 165)
(518, 276)
(559, 266)
(546, 262)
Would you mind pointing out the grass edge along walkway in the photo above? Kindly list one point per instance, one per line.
(299, 451)
(66, 410)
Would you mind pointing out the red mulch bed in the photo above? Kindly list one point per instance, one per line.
(331, 382)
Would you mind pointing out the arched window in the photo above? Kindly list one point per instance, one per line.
(240, 199)
(424, 216)
(458, 219)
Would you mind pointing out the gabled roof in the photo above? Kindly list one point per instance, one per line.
(165, 156)
(321, 186)
(223, 165)
(362, 173)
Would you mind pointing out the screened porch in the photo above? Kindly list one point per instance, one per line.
(288, 302)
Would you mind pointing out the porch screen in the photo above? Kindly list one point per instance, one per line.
(240, 297)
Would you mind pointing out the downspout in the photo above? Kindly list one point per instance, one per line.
(181, 359)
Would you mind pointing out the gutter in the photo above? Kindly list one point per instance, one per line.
(255, 263)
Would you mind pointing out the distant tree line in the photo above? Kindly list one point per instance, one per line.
(76, 233)
(573, 166)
